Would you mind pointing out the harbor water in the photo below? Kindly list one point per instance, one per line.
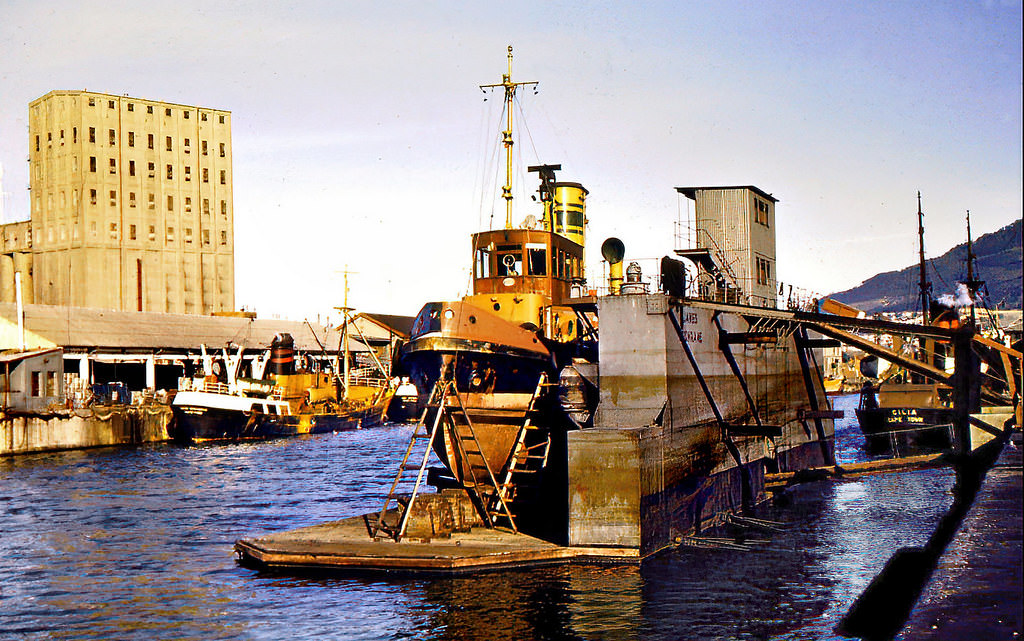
(136, 543)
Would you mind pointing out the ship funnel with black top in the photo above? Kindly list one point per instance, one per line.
(568, 211)
(565, 204)
(282, 355)
(613, 251)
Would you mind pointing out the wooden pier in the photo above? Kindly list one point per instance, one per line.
(344, 545)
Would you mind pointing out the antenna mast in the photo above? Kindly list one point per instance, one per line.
(924, 284)
(506, 135)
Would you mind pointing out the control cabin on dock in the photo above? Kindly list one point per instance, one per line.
(734, 248)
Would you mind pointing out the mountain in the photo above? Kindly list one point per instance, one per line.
(998, 264)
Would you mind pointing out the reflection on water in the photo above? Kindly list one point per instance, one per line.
(136, 544)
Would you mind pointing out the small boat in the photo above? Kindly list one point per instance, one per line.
(210, 410)
(900, 413)
(405, 407)
(906, 416)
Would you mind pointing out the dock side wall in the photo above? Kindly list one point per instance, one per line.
(99, 427)
(605, 487)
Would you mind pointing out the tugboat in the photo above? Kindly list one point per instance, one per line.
(221, 405)
(689, 396)
(282, 400)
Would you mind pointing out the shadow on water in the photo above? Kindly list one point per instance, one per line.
(881, 611)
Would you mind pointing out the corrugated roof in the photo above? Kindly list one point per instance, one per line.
(691, 192)
(401, 325)
(79, 327)
(11, 357)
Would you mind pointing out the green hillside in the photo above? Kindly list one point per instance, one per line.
(998, 264)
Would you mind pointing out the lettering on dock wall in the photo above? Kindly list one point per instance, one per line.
(691, 335)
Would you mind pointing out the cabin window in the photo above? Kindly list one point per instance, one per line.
(37, 385)
(537, 259)
(764, 271)
(483, 263)
(760, 212)
(510, 260)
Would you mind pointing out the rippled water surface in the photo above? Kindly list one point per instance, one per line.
(136, 543)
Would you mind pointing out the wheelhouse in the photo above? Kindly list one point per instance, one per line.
(526, 261)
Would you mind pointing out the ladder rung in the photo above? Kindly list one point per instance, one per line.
(409, 468)
(473, 452)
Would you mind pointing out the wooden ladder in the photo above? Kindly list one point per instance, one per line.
(436, 400)
(522, 454)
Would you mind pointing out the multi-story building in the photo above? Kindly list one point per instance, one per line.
(131, 204)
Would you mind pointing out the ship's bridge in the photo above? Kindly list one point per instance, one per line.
(526, 261)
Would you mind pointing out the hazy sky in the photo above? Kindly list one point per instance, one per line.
(361, 138)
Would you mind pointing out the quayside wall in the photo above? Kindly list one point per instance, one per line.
(100, 426)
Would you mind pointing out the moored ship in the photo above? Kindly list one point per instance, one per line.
(627, 418)
(280, 400)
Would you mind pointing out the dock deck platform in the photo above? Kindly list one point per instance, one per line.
(345, 545)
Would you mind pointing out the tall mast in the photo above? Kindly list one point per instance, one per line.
(506, 135)
(972, 285)
(925, 286)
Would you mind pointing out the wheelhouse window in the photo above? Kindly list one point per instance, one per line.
(537, 259)
(510, 260)
(483, 263)
(560, 265)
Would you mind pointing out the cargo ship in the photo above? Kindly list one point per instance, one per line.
(625, 414)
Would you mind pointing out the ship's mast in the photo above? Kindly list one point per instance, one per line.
(925, 286)
(506, 135)
(972, 285)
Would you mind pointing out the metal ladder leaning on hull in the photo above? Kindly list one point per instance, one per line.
(491, 509)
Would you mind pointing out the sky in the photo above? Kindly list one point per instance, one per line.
(363, 144)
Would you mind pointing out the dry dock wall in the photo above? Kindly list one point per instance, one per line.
(80, 429)
(625, 492)
(658, 465)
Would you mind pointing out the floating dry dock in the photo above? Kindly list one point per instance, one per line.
(344, 545)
